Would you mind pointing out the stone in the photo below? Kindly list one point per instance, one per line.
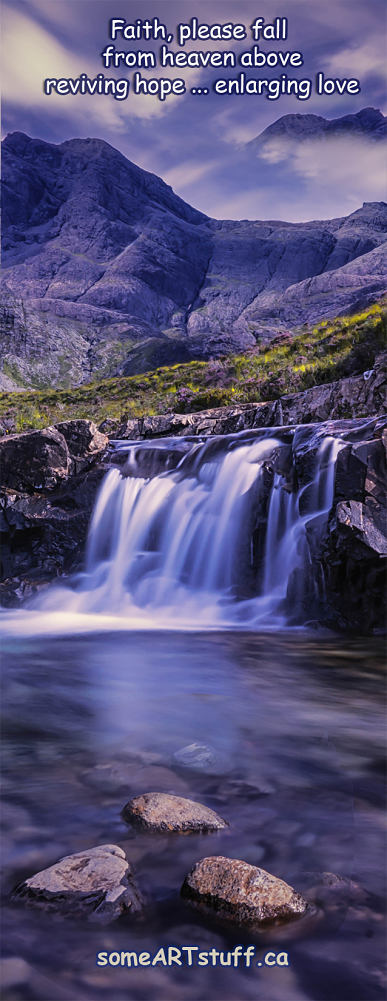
(233, 890)
(355, 517)
(50, 479)
(84, 441)
(96, 884)
(200, 758)
(34, 460)
(156, 811)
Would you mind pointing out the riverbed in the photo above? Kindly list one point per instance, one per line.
(281, 733)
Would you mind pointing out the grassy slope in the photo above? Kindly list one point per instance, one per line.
(291, 363)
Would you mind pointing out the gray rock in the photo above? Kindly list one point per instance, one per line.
(200, 758)
(236, 891)
(157, 811)
(96, 884)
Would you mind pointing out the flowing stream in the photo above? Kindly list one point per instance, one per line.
(169, 664)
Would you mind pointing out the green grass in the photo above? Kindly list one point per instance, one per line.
(291, 363)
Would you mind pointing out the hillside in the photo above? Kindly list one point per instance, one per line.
(315, 355)
(107, 272)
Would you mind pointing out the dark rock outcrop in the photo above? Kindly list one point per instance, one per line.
(236, 891)
(354, 556)
(48, 484)
(96, 885)
(107, 271)
(157, 811)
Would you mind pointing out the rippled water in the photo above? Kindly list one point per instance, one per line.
(293, 729)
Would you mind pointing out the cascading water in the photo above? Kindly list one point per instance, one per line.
(218, 541)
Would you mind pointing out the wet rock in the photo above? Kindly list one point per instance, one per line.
(355, 517)
(200, 758)
(85, 443)
(234, 890)
(161, 812)
(34, 460)
(354, 553)
(49, 481)
(96, 884)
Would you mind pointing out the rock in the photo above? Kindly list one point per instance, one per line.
(157, 811)
(34, 460)
(200, 758)
(236, 891)
(355, 517)
(84, 441)
(96, 884)
(353, 557)
(50, 480)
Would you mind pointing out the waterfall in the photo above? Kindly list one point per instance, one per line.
(221, 539)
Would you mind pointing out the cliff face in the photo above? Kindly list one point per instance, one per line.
(107, 271)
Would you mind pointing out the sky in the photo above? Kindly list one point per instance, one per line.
(197, 143)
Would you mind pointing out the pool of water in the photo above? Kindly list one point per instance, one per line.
(290, 740)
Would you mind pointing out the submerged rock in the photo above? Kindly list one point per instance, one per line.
(161, 812)
(200, 758)
(236, 891)
(96, 884)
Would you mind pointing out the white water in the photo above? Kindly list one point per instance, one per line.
(177, 550)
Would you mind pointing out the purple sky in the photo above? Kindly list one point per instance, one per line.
(195, 142)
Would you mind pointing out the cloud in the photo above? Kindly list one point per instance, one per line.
(315, 179)
(184, 174)
(351, 161)
(358, 60)
(31, 54)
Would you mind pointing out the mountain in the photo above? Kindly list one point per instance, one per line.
(368, 123)
(107, 271)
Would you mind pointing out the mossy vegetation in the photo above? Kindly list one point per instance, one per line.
(291, 363)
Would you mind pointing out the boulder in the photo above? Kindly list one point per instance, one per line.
(236, 891)
(85, 443)
(363, 528)
(96, 885)
(157, 811)
(34, 460)
(49, 479)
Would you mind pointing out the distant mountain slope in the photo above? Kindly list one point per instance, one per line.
(369, 123)
(106, 270)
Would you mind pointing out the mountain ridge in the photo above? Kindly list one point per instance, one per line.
(107, 271)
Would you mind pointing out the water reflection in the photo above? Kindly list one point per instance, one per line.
(293, 726)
